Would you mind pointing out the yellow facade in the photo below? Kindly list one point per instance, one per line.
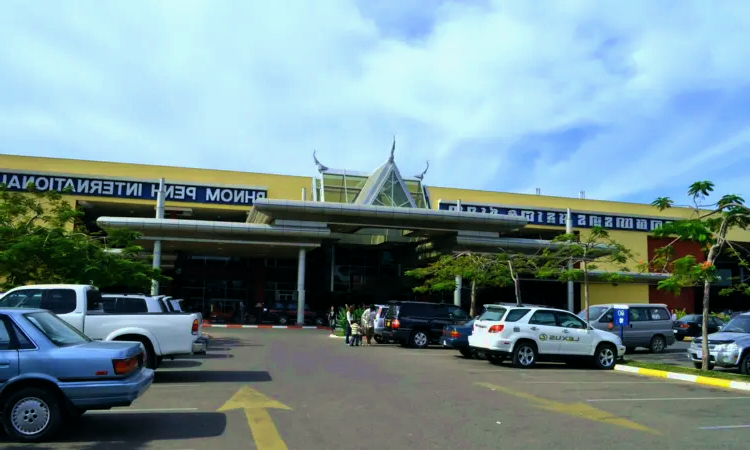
(290, 188)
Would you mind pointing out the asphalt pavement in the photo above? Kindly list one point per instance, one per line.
(301, 389)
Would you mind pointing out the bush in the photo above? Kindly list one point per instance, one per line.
(341, 321)
(680, 313)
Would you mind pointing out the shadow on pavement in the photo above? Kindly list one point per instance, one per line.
(206, 356)
(230, 343)
(212, 376)
(133, 430)
(179, 364)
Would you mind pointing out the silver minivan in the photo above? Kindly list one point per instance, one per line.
(649, 325)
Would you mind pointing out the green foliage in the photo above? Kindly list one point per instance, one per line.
(595, 248)
(485, 270)
(709, 229)
(40, 243)
(341, 321)
(680, 313)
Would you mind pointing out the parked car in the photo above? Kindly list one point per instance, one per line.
(52, 372)
(692, 324)
(161, 334)
(419, 324)
(729, 348)
(650, 325)
(157, 304)
(457, 337)
(286, 314)
(529, 334)
(380, 323)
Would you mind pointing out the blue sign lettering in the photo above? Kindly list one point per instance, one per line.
(143, 190)
(622, 317)
(556, 218)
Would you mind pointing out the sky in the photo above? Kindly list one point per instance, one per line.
(626, 100)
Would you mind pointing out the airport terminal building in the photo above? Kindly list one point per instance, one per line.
(341, 236)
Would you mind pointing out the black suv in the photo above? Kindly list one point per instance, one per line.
(418, 324)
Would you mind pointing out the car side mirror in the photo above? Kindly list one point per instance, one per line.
(720, 327)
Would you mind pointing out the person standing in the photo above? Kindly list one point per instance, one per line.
(258, 312)
(332, 319)
(242, 312)
(349, 318)
(368, 323)
(356, 334)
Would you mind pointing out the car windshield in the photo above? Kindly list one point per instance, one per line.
(740, 324)
(690, 318)
(594, 312)
(493, 314)
(56, 330)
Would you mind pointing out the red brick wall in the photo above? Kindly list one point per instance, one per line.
(686, 299)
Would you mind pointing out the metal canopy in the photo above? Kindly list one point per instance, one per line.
(267, 212)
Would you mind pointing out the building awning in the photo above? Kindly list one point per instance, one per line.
(635, 277)
(267, 211)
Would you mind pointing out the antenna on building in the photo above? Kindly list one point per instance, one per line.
(420, 177)
(538, 191)
(321, 167)
(582, 194)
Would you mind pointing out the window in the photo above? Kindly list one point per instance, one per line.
(659, 314)
(124, 305)
(516, 314)
(93, 300)
(418, 310)
(59, 301)
(567, 320)
(24, 298)
(494, 314)
(639, 314)
(608, 317)
(454, 312)
(546, 318)
(594, 312)
(24, 343)
(4, 336)
(690, 318)
(56, 330)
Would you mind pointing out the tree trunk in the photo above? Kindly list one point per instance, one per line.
(516, 283)
(473, 307)
(713, 253)
(586, 288)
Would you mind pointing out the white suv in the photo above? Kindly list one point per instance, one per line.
(530, 333)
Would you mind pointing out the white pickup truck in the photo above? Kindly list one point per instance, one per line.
(162, 334)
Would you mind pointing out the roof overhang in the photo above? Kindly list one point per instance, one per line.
(267, 211)
(197, 229)
(493, 244)
(634, 277)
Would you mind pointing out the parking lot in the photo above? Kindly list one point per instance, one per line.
(301, 389)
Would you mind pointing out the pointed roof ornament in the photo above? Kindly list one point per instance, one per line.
(420, 177)
(393, 149)
(321, 167)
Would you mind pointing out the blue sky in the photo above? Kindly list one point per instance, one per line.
(625, 100)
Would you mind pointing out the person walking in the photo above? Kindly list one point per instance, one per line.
(332, 319)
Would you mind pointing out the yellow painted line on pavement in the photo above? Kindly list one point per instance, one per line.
(256, 406)
(698, 379)
(580, 410)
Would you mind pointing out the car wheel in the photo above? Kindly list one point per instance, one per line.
(658, 344)
(466, 353)
(495, 359)
(378, 339)
(32, 415)
(419, 339)
(524, 355)
(283, 320)
(605, 357)
(745, 364)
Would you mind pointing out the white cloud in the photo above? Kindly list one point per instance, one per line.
(257, 85)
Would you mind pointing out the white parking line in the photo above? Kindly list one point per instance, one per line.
(724, 427)
(131, 411)
(663, 399)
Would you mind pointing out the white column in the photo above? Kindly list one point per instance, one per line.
(571, 285)
(457, 292)
(301, 287)
(156, 263)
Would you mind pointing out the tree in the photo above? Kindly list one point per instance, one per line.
(41, 241)
(481, 270)
(567, 251)
(708, 225)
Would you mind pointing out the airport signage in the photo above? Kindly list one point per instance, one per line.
(132, 189)
(557, 218)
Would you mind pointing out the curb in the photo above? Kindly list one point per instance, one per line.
(708, 381)
(276, 327)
